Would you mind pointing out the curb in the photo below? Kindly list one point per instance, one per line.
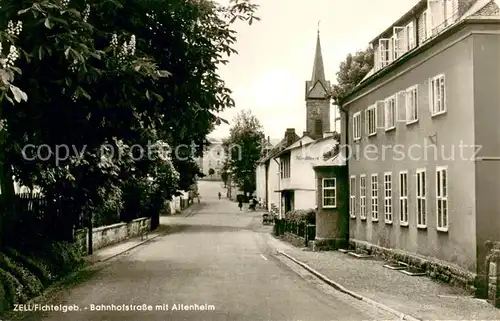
(130, 248)
(340, 288)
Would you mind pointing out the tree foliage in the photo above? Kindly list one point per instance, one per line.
(211, 171)
(243, 147)
(107, 80)
(351, 71)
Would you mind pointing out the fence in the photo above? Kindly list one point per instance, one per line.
(304, 230)
(34, 215)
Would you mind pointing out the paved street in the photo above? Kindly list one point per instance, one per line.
(219, 259)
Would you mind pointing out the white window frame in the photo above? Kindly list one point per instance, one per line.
(443, 198)
(371, 121)
(330, 188)
(425, 29)
(385, 55)
(374, 197)
(352, 197)
(362, 196)
(356, 126)
(387, 108)
(411, 103)
(403, 199)
(388, 206)
(421, 197)
(437, 99)
(410, 35)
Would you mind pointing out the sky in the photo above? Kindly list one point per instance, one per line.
(275, 54)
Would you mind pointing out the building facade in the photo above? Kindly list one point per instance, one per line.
(213, 159)
(423, 135)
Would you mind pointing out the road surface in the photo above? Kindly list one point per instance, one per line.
(219, 266)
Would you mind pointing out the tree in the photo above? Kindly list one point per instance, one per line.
(351, 72)
(211, 171)
(119, 74)
(243, 147)
(224, 176)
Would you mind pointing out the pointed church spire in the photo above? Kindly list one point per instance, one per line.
(318, 72)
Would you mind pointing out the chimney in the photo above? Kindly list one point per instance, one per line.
(290, 136)
(269, 139)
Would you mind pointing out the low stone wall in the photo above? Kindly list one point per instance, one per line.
(111, 234)
(295, 240)
(434, 268)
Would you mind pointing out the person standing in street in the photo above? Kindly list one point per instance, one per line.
(240, 204)
(219, 195)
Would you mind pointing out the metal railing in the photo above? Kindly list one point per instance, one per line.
(304, 230)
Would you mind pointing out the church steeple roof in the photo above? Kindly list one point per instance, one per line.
(318, 72)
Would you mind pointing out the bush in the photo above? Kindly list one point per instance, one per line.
(31, 284)
(301, 216)
(14, 290)
(38, 268)
(62, 258)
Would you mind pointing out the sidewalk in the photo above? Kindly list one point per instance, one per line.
(417, 296)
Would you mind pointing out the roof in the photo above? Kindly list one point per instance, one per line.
(475, 14)
(276, 150)
(317, 141)
(404, 18)
(337, 160)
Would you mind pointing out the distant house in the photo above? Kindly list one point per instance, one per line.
(296, 184)
(424, 135)
(213, 158)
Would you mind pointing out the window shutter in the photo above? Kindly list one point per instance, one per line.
(376, 57)
(380, 114)
(431, 97)
(411, 35)
(401, 106)
(367, 130)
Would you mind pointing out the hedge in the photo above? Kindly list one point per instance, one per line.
(301, 216)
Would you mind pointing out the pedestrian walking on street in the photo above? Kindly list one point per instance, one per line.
(219, 195)
(240, 204)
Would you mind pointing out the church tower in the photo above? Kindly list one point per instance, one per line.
(317, 104)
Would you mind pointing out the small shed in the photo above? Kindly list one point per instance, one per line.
(332, 201)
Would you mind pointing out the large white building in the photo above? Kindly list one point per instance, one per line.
(213, 158)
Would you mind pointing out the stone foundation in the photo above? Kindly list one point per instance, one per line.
(436, 269)
(492, 267)
(328, 244)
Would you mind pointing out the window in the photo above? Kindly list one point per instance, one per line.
(410, 35)
(352, 199)
(384, 47)
(388, 197)
(412, 104)
(209, 163)
(374, 198)
(356, 126)
(390, 112)
(362, 196)
(437, 95)
(421, 199)
(403, 198)
(442, 198)
(371, 120)
(285, 167)
(218, 153)
(329, 193)
(425, 25)
(318, 127)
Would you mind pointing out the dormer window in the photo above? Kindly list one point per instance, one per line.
(441, 14)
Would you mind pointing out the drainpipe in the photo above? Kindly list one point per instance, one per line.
(346, 137)
(279, 187)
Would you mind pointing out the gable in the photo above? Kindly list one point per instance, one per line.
(317, 91)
